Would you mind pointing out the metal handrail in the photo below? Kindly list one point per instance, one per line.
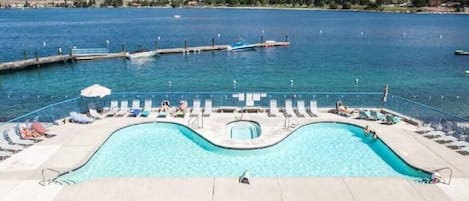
(444, 181)
(45, 181)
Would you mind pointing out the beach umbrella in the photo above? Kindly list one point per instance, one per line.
(95, 90)
(385, 93)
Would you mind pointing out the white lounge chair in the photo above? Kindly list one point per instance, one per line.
(208, 107)
(10, 147)
(113, 108)
(147, 108)
(95, 114)
(301, 108)
(434, 134)
(15, 139)
(464, 151)
(289, 108)
(459, 144)
(135, 110)
(273, 110)
(5, 154)
(123, 109)
(196, 110)
(313, 108)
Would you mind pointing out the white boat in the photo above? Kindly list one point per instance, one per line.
(142, 54)
(241, 45)
(177, 16)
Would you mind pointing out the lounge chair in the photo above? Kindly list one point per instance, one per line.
(391, 119)
(207, 107)
(364, 114)
(123, 109)
(313, 108)
(378, 116)
(459, 144)
(164, 110)
(135, 110)
(5, 145)
(15, 138)
(113, 108)
(464, 150)
(39, 128)
(289, 108)
(147, 108)
(434, 134)
(273, 111)
(25, 132)
(94, 113)
(181, 111)
(301, 108)
(79, 118)
(339, 111)
(451, 138)
(196, 110)
(5, 154)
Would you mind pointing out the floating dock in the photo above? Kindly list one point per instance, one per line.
(39, 61)
(34, 62)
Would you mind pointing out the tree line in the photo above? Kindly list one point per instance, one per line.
(331, 4)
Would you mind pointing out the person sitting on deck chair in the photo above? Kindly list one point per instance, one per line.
(181, 110)
(165, 106)
(342, 109)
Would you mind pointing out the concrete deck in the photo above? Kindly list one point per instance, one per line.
(75, 143)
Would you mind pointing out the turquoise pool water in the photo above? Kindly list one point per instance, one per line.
(171, 150)
(243, 130)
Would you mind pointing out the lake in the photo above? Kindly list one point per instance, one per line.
(413, 53)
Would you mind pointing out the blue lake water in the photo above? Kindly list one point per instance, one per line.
(170, 150)
(328, 51)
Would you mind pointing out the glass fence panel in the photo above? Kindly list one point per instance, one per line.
(408, 107)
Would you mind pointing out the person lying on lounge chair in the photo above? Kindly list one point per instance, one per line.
(181, 110)
(27, 133)
(165, 106)
(343, 109)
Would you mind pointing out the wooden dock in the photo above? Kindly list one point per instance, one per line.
(37, 62)
(34, 62)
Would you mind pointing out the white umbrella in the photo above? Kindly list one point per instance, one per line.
(95, 90)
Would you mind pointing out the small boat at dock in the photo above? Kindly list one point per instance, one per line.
(142, 54)
(461, 52)
(241, 45)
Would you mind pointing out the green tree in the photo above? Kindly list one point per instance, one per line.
(419, 3)
(346, 5)
(333, 5)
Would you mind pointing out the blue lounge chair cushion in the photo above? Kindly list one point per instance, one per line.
(135, 112)
(145, 113)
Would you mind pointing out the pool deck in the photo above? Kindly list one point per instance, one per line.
(75, 143)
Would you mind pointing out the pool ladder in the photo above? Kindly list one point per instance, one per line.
(196, 121)
(46, 181)
(288, 124)
(444, 180)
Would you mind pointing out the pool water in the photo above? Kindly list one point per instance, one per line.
(171, 150)
(243, 130)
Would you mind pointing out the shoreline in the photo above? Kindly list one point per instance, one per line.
(403, 11)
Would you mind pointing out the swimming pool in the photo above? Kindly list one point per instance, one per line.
(243, 130)
(172, 150)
